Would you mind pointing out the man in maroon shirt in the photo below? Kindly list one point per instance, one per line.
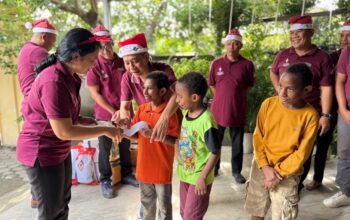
(344, 41)
(230, 79)
(134, 52)
(104, 82)
(342, 88)
(321, 96)
(32, 53)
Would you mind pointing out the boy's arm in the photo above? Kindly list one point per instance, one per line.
(201, 188)
(211, 137)
(173, 130)
(258, 136)
(134, 121)
(169, 140)
(292, 164)
(134, 137)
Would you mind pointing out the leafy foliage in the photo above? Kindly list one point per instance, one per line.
(256, 49)
(200, 65)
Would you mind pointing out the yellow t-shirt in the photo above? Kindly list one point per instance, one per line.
(283, 137)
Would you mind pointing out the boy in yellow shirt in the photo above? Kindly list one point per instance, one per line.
(284, 136)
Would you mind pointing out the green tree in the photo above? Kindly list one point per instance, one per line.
(244, 13)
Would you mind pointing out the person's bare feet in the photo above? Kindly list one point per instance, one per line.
(313, 185)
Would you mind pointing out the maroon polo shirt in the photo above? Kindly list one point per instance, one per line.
(231, 81)
(132, 86)
(343, 67)
(335, 57)
(54, 95)
(320, 63)
(31, 54)
(107, 74)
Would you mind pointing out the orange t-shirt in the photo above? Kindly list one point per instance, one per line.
(155, 160)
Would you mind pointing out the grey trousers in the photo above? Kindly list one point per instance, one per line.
(150, 194)
(52, 188)
(343, 148)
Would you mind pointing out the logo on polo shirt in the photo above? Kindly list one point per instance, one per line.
(308, 64)
(104, 75)
(220, 72)
(286, 63)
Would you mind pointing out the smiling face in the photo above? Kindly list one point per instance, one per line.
(137, 63)
(301, 39)
(183, 97)
(344, 39)
(152, 93)
(81, 64)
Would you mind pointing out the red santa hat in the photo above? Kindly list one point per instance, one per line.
(134, 45)
(100, 30)
(346, 26)
(41, 26)
(233, 35)
(300, 22)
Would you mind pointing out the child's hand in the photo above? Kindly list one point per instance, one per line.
(146, 132)
(123, 123)
(270, 185)
(271, 175)
(201, 188)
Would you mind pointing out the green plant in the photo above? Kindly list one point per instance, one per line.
(200, 65)
(256, 49)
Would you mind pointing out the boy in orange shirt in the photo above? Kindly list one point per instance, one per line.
(284, 136)
(154, 166)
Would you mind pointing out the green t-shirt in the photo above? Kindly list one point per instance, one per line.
(198, 138)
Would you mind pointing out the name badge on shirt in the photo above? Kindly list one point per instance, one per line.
(121, 70)
(220, 72)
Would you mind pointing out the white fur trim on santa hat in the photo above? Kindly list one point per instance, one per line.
(131, 49)
(101, 33)
(300, 26)
(44, 30)
(231, 37)
(345, 28)
(28, 25)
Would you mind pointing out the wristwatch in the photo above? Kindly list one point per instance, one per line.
(329, 116)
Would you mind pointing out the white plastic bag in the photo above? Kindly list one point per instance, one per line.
(85, 166)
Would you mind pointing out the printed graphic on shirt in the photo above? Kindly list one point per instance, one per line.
(220, 72)
(186, 150)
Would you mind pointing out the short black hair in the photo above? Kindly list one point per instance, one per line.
(160, 78)
(302, 71)
(195, 83)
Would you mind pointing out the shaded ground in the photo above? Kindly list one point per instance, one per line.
(226, 199)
